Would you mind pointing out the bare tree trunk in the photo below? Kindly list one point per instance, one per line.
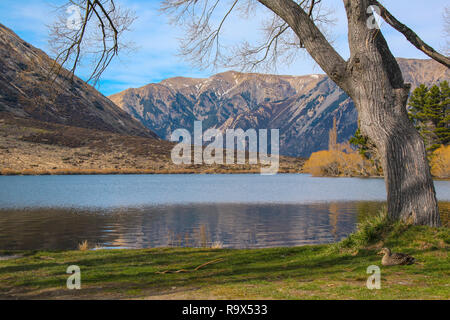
(380, 96)
(410, 189)
(373, 79)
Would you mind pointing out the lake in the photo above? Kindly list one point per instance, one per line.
(140, 211)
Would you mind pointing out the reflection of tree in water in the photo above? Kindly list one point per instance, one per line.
(444, 209)
(334, 217)
(343, 216)
(368, 209)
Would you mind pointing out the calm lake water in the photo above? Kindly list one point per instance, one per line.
(139, 211)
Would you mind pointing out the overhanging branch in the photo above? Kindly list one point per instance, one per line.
(311, 37)
(411, 36)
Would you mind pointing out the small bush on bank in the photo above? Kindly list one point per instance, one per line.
(440, 162)
(372, 232)
(368, 232)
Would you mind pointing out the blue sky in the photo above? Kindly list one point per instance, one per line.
(155, 57)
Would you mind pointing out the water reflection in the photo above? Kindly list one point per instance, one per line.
(233, 225)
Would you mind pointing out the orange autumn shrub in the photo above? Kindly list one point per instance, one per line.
(440, 162)
(339, 162)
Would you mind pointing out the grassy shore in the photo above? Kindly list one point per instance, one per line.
(335, 271)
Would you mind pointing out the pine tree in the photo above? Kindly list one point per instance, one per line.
(361, 142)
(429, 111)
(432, 118)
(432, 108)
(417, 102)
(443, 126)
(366, 148)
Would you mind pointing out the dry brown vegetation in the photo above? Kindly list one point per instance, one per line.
(83, 246)
(31, 147)
(339, 163)
(440, 162)
(339, 160)
(343, 161)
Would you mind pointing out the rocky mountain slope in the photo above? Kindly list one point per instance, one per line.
(66, 127)
(302, 107)
(27, 91)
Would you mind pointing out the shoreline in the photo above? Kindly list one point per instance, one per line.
(305, 272)
(91, 172)
(131, 171)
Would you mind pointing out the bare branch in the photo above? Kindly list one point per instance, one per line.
(411, 36)
(314, 41)
(202, 41)
(295, 25)
(280, 44)
(204, 20)
(96, 35)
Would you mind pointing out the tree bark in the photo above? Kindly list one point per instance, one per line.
(373, 79)
(409, 185)
(380, 96)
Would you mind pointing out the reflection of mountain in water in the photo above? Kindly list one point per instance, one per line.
(234, 225)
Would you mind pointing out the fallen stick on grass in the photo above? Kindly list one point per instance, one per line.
(192, 270)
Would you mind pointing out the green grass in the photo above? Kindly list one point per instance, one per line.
(371, 230)
(308, 272)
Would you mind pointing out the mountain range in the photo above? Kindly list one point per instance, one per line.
(53, 123)
(301, 107)
(30, 89)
